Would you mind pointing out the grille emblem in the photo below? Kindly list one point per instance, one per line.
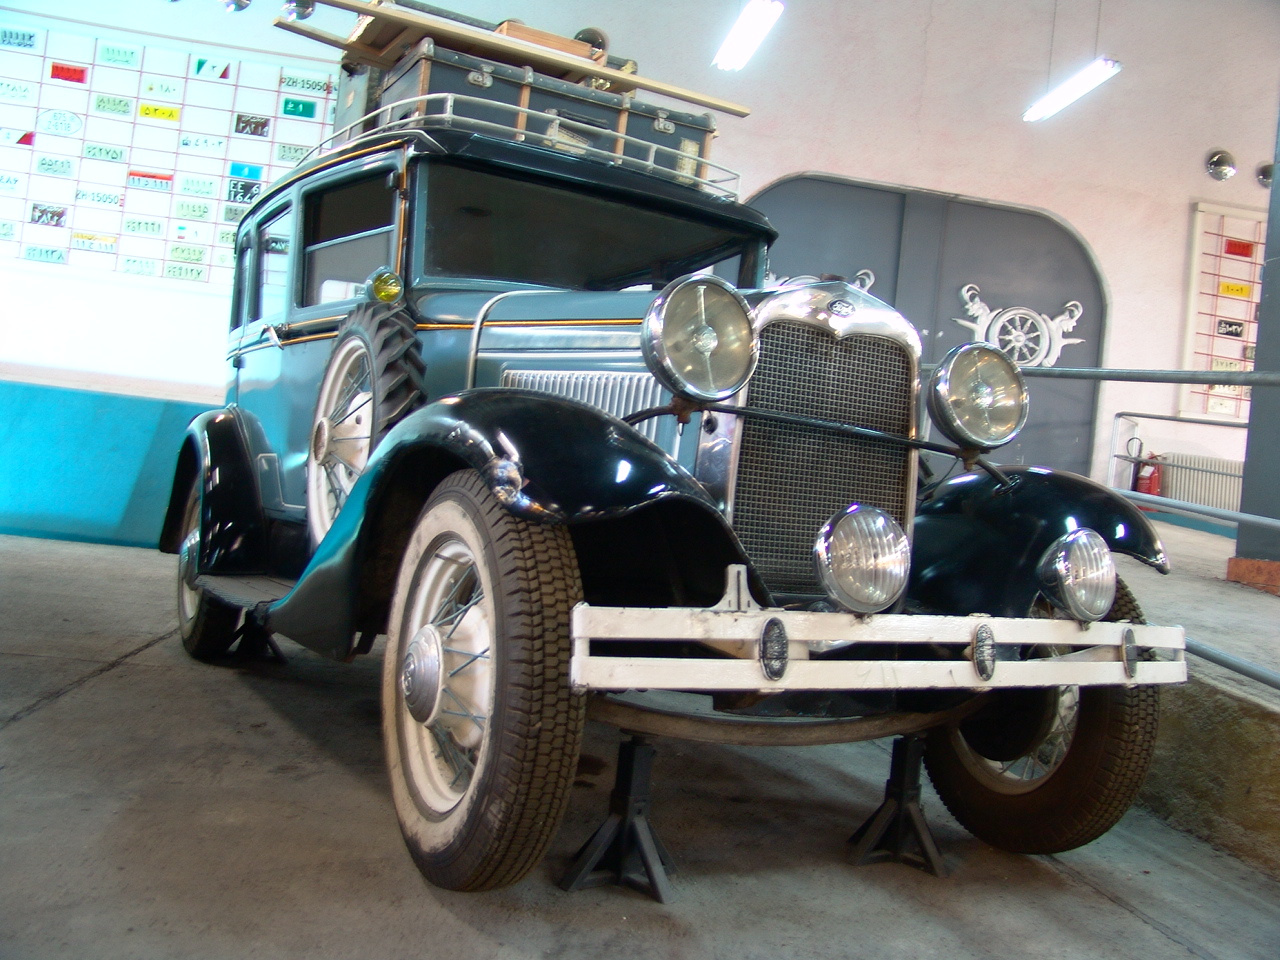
(984, 652)
(841, 308)
(773, 649)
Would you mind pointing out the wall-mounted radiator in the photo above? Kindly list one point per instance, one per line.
(1209, 481)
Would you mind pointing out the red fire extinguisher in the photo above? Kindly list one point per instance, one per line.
(1146, 477)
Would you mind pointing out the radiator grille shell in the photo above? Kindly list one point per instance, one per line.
(791, 480)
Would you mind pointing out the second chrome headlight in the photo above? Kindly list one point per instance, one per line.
(697, 339)
(977, 396)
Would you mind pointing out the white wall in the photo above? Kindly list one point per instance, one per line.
(929, 93)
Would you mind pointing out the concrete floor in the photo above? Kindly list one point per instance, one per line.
(152, 806)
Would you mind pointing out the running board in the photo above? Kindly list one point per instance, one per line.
(244, 592)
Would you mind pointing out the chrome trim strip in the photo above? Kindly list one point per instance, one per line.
(840, 307)
(473, 353)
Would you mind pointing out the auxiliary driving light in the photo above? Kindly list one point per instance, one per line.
(863, 558)
(1078, 574)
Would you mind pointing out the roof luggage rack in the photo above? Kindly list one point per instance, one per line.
(451, 111)
(515, 83)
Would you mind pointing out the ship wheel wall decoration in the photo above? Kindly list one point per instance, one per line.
(1028, 338)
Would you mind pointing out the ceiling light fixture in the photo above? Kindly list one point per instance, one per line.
(299, 9)
(755, 21)
(1072, 89)
(234, 6)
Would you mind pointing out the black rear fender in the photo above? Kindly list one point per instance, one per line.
(233, 531)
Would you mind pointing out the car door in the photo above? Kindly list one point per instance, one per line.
(313, 250)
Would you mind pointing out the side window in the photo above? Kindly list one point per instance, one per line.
(348, 234)
(242, 302)
(274, 240)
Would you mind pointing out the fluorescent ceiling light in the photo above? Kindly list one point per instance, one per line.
(756, 20)
(1072, 89)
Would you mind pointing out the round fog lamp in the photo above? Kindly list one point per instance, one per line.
(863, 558)
(1078, 574)
(698, 340)
(977, 396)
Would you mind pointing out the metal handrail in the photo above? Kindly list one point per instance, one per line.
(1229, 661)
(1247, 378)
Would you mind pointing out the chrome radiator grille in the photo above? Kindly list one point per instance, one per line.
(792, 479)
(615, 393)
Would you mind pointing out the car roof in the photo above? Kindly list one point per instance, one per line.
(538, 162)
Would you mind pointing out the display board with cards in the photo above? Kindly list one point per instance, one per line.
(1226, 287)
(141, 157)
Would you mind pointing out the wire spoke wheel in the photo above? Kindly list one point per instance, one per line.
(340, 436)
(451, 597)
(207, 625)
(1047, 770)
(1025, 772)
(373, 379)
(1023, 336)
(480, 727)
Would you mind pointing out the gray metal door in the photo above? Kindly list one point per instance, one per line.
(962, 270)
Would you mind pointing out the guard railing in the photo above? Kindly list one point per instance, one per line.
(1248, 668)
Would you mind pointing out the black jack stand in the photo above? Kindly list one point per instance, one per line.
(898, 825)
(255, 643)
(624, 850)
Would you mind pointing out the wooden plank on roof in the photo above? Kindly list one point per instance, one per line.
(519, 52)
(356, 52)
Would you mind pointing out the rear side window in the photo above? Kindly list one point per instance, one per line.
(274, 239)
(349, 232)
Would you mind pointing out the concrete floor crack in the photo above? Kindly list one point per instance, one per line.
(55, 695)
(1125, 905)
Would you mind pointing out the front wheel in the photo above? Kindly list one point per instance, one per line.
(1042, 771)
(481, 729)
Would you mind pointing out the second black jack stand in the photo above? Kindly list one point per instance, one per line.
(897, 830)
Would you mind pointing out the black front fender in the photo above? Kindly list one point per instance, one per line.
(546, 459)
(977, 543)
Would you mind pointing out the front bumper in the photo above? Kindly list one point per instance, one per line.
(751, 648)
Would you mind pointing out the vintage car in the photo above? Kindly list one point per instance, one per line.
(528, 407)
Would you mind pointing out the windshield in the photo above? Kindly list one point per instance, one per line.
(484, 225)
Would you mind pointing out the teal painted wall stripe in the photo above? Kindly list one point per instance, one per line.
(80, 465)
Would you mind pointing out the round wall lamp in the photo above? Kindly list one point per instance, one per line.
(1220, 165)
(1264, 174)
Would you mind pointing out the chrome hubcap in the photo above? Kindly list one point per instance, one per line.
(421, 676)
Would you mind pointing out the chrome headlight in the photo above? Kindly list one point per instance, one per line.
(1078, 574)
(698, 340)
(863, 558)
(977, 396)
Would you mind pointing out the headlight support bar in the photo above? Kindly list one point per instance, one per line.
(969, 457)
